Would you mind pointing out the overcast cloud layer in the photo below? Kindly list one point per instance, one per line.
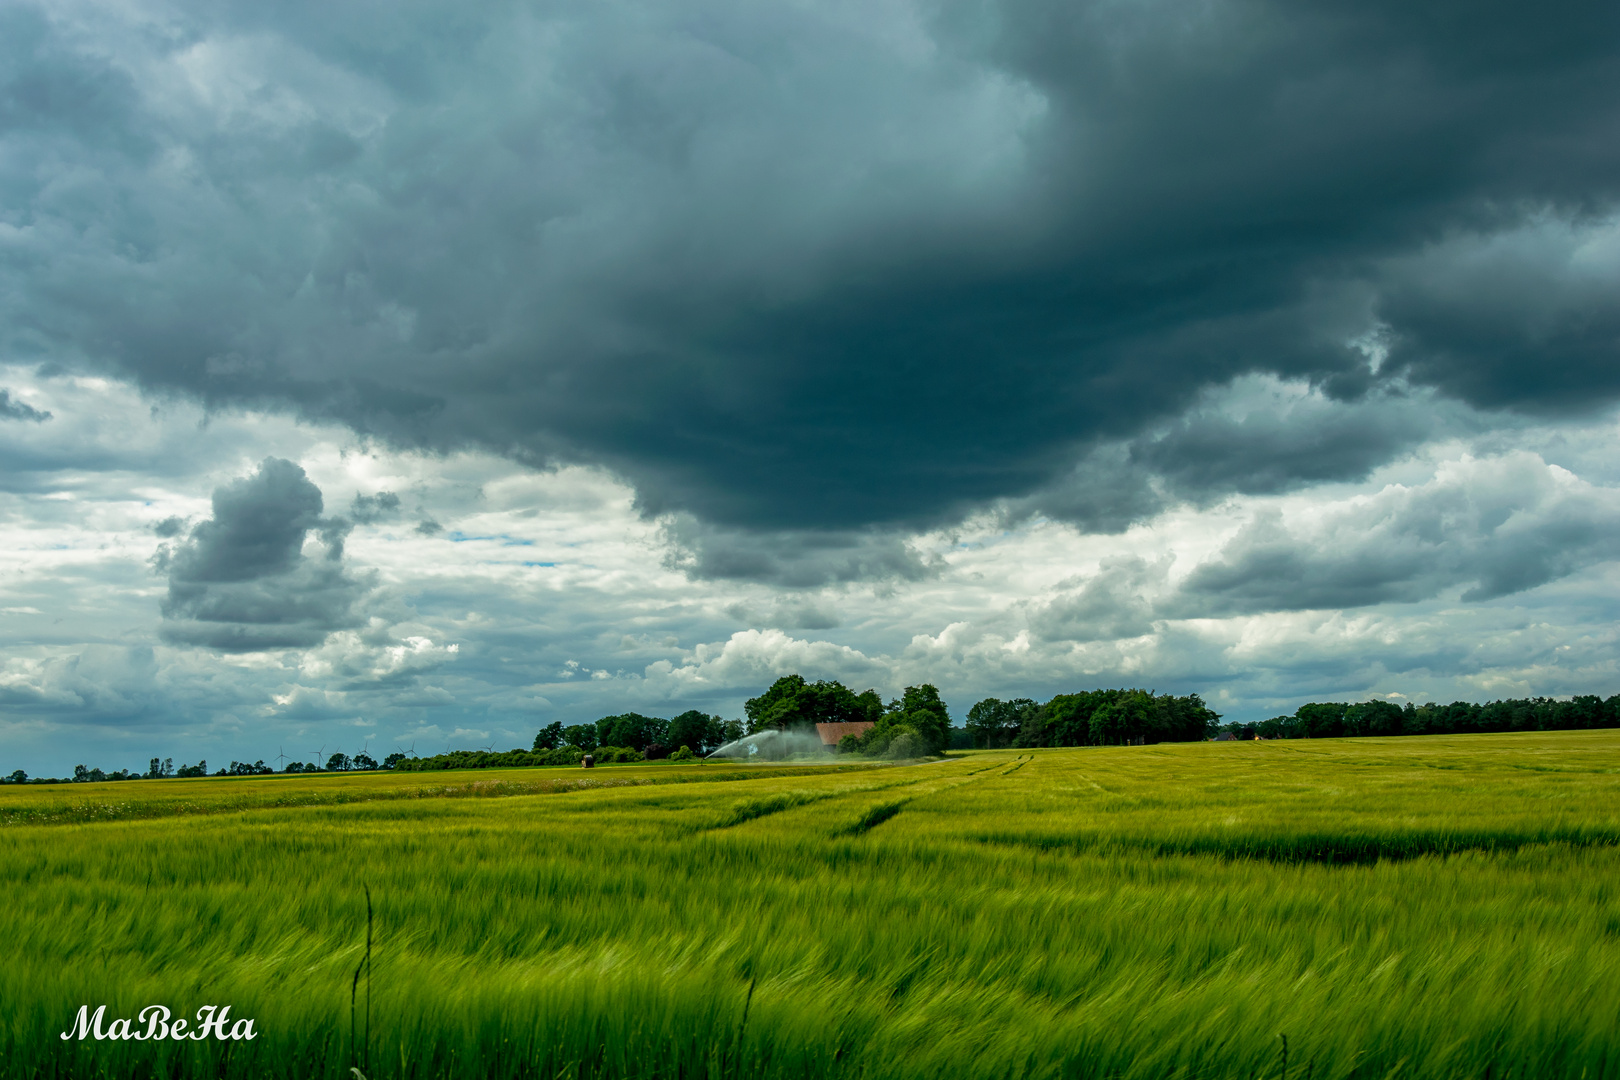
(1257, 348)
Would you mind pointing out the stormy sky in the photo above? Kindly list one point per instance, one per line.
(418, 374)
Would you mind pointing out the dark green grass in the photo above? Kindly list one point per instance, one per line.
(1421, 907)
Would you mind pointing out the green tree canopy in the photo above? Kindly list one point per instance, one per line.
(697, 730)
(994, 723)
(921, 709)
(792, 703)
(918, 713)
(1322, 721)
(1373, 718)
(582, 736)
(1067, 720)
(630, 729)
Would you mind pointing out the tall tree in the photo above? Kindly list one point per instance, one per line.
(994, 723)
(630, 729)
(697, 730)
(921, 709)
(582, 736)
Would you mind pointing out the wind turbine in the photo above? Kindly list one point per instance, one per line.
(281, 758)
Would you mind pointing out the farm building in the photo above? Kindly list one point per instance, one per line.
(832, 733)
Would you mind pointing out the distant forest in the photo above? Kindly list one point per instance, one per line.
(1334, 720)
(1092, 718)
(917, 723)
(1107, 717)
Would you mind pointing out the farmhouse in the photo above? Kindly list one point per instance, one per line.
(832, 733)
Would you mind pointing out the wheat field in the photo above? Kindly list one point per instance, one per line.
(1414, 907)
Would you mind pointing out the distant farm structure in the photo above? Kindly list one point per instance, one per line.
(831, 734)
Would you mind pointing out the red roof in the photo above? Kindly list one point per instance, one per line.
(831, 733)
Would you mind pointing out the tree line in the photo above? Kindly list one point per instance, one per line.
(1092, 718)
(616, 739)
(1334, 720)
(917, 723)
(162, 768)
(914, 724)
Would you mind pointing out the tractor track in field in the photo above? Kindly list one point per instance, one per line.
(882, 812)
(754, 809)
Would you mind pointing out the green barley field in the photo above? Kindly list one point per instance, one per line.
(1414, 907)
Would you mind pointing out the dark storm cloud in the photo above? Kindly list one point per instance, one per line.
(241, 581)
(368, 509)
(1107, 491)
(386, 506)
(1116, 602)
(20, 410)
(1495, 528)
(815, 269)
(806, 558)
(1526, 319)
(1257, 437)
(1479, 530)
(1278, 448)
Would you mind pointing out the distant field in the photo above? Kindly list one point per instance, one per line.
(1413, 907)
(66, 802)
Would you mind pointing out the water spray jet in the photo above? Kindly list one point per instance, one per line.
(771, 745)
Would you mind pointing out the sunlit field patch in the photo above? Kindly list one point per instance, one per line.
(1424, 907)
